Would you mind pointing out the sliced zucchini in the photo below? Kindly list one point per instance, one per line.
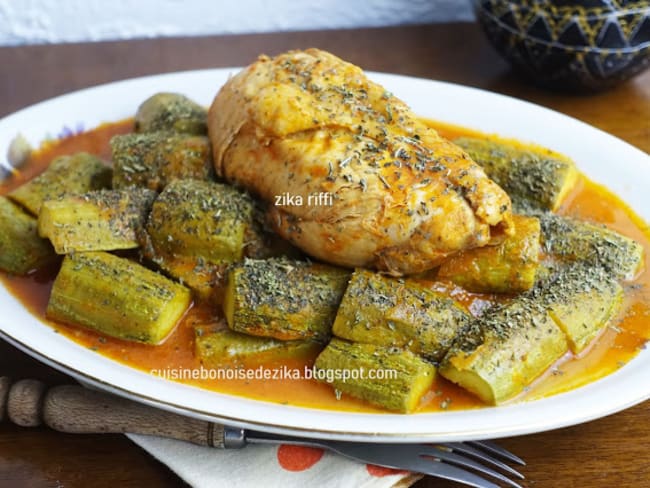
(283, 299)
(533, 179)
(582, 299)
(155, 159)
(569, 239)
(508, 267)
(390, 377)
(206, 280)
(102, 220)
(117, 297)
(385, 311)
(21, 248)
(500, 353)
(171, 112)
(223, 347)
(196, 228)
(66, 175)
(202, 219)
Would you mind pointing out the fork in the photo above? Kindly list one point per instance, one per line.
(74, 409)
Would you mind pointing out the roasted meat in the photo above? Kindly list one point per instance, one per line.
(399, 197)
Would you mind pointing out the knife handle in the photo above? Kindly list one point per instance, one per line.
(77, 410)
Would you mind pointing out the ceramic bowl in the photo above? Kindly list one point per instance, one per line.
(573, 45)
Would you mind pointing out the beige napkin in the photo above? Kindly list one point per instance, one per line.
(279, 466)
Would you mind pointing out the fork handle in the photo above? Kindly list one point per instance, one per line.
(77, 410)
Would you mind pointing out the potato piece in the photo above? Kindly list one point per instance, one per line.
(508, 267)
(389, 377)
(103, 220)
(155, 159)
(171, 112)
(224, 347)
(385, 311)
(21, 249)
(117, 297)
(534, 179)
(501, 352)
(66, 175)
(571, 240)
(284, 299)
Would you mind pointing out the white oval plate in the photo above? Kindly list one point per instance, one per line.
(604, 158)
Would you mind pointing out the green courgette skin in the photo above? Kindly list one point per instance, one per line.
(284, 299)
(171, 112)
(21, 248)
(117, 297)
(410, 376)
(380, 310)
(196, 229)
(497, 355)
(202, 219)
(103, 220)
(66, 175)
(500, 353)
(206, 280)
(155, 159)
(570, 240)
(582, 299)
(532, 179)
(508, 267)
(219, 347)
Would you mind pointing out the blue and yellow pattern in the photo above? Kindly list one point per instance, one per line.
(570, 44)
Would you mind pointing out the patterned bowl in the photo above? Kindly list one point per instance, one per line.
(571, 45)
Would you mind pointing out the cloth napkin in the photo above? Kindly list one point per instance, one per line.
(268, 466)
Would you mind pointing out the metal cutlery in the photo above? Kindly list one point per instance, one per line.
(74, 409)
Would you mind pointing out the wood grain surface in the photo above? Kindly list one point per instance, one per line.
(78, 410)
(608, 452)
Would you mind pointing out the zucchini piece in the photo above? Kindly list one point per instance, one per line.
(264, 244)
(508, 267)
(155, 159)
(102, 220)
(403, 380)
(66, 175)
(385, 311)
(117, 297)
(581, 300)
(501, 352)
(570, 240)
(202, 219)
(534, 179)
(224, 347)
(283, 299)
(171, 112)
(196, 228)
(207, 281)
(21, 248)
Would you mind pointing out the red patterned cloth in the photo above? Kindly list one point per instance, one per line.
(268, 466)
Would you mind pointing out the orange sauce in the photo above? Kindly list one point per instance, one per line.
(617, 345)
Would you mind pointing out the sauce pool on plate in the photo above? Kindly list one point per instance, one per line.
(619, 343)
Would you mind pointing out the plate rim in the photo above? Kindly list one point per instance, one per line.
(398, 438)
(487, 432)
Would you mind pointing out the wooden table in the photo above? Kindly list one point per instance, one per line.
(609, 452)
